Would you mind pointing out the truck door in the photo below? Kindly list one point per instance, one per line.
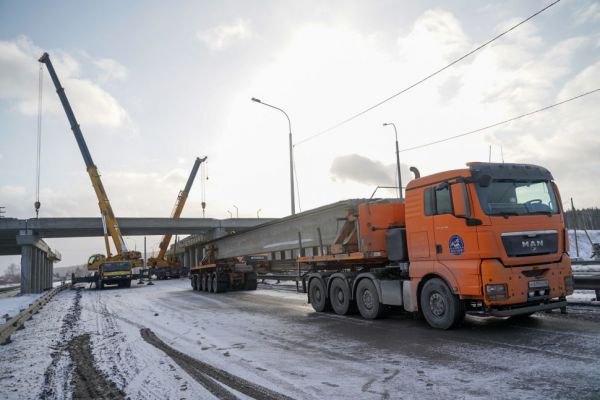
(457, 250)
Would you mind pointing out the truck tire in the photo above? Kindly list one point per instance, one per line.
(127, 284)
(367, 300)
(100, 284)
(318, 295)
(339, 296)
(440, 307)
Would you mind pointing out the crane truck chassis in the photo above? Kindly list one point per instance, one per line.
(489, 239)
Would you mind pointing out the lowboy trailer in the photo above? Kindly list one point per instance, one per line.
(489, 239)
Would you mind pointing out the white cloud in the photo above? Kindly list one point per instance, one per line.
(110, 70)
(224, 35)
(12, 192)
(588, 13)
(19, 80)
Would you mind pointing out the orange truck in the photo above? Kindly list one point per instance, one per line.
(489, 239)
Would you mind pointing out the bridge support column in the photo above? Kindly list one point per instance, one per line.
(36, 263)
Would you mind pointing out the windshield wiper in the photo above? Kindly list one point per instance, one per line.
(506, 214)
(548, 213)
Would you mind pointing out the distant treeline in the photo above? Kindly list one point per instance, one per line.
(586, 218)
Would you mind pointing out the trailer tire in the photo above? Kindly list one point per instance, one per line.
(219, 284)
(203, 282)
(250, 281)
(209, 281)
(441, 308)
(318, 295)
(367, 300)
(339, 296)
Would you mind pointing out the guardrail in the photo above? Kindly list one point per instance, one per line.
(19, 320)
(585, 281)
(9, 288)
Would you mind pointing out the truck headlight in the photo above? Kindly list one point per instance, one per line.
(496, 292)
(569, 284)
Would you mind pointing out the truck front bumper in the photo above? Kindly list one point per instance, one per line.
(510, 312)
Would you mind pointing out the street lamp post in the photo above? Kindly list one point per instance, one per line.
(237, 212)
(291, 151)
(397, 158)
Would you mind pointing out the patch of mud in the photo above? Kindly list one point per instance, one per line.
(56, 377)
(88, 382)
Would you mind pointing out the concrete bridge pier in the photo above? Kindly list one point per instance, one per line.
(37, 263)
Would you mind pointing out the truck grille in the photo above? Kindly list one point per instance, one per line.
(531, 243)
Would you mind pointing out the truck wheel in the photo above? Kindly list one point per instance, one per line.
(100, 284)
(367, 300)
(127, 284)
(339, 295)
(318, 295)
(440, 307)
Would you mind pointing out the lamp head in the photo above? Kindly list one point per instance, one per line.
(256, 100)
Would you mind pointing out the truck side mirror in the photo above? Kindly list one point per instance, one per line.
(460, 200)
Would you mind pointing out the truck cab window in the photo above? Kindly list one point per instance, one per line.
(437, 202)
(443, 201)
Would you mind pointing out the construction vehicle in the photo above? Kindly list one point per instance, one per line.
(109, 268)
(168, 266)
(487, 240)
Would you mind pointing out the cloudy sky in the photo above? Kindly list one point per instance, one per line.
(156, 84)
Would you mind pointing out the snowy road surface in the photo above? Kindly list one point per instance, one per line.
(274, 340)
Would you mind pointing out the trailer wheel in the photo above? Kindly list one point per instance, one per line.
(367, 300)
(339, 295)
(219, 285)
(250, 281)
(441, 308)
(209, 281)
(203, 282)
(318, 295)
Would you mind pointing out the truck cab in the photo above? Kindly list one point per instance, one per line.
(493, 235)
(114, 273)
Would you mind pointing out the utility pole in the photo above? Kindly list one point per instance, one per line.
(2, 212)
(397, 159)
(574, 219)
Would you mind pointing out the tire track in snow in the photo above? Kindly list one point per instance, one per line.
(202, 372)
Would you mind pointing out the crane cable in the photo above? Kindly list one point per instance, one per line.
(431, 75)
(37, 203)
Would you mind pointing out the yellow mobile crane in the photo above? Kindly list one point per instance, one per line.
(163, 266)
(109, 268)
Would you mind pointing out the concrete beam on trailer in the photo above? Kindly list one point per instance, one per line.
(282, 234)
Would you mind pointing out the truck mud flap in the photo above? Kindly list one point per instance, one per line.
(527, 310)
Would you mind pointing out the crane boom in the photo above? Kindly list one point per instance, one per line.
(111, 225)
(177, 209)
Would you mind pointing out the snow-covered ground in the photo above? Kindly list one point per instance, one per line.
(583, 243)
(12, 305)
(271, 337)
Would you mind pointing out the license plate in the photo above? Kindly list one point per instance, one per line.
(538, 284)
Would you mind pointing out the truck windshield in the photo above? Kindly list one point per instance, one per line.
(121, 266)
(516, 197)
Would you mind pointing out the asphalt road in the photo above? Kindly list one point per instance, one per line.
(273, 339)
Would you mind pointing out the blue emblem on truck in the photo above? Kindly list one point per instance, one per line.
(456, 245)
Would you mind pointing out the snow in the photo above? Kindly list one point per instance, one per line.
(11, 306)
(585, 247)
(272, 337)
